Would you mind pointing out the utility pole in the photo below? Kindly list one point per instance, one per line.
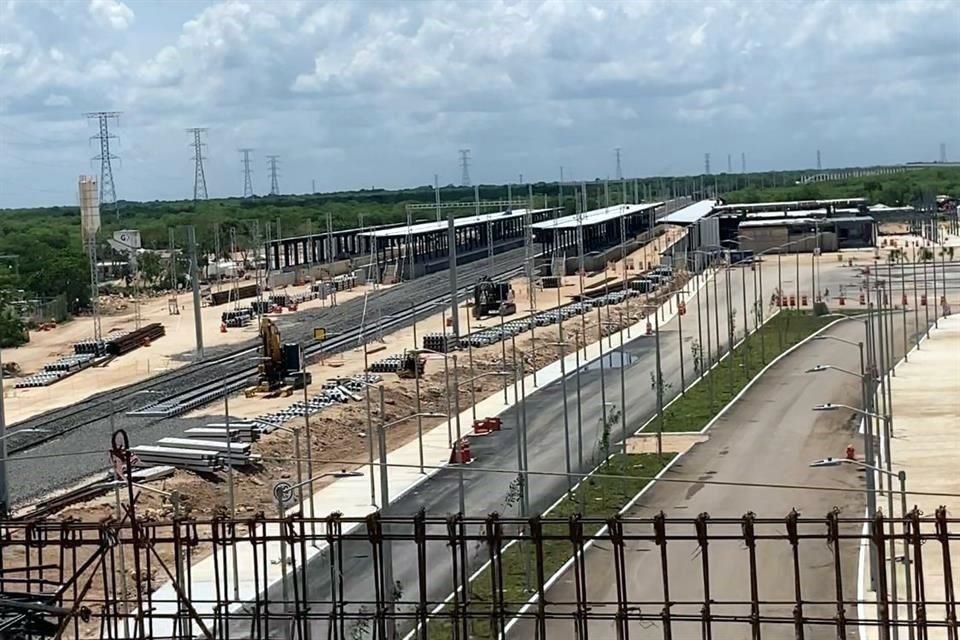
(108, 192)
(195, 281)
(619, 167)
(274, 184)
(199, 179)
(819, 165)
(247, 174)
(436, 194)
(465, 167)
(943, 152)
(743, 162)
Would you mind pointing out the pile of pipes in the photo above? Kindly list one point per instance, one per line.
(56, 371)
(119, 345)
(237, 318)
(441, 342)
(235, 431)
(120, 342)
(337, 391)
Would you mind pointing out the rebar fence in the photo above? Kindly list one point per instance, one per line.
(426, 576)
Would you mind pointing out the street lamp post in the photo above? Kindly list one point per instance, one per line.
(901, 477)
(888, 474)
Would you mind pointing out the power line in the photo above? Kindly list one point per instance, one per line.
(247, 175)
(465, 167)
(274, 184)
(199, 179)
(619, 166)
(108, 192)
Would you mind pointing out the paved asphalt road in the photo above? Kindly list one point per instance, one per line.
(769, 436)
(485, 493)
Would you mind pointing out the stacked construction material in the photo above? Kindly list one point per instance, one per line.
(441, 342)
(336, 391)
(235, 454)
(56, 371)
(128, 341)
(230, 295)
(198, 460)
(246, 430)
(390, 364)
(237, 317)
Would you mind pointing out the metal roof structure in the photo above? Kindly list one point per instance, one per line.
(792, 205)
(779, 222)
(691, 213)
(596, 216)
(441, 225)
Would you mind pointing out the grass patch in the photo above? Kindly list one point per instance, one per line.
(721, 384)
(601, 497)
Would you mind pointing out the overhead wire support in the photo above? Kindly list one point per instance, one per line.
(199, 178)
(108, 192)
(247, 173)
(465, 167)
(274, 182)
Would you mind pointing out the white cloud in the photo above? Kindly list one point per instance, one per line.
(391, 90)
(113, 13)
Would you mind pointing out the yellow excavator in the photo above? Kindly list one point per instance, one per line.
(276, 364)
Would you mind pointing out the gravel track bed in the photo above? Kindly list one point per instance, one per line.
(90, 418)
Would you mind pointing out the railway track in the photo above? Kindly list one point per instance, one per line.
(196, 384)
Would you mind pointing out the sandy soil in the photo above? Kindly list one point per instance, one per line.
(173, 350)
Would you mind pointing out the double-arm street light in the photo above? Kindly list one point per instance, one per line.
(901, 477)
(871, 490)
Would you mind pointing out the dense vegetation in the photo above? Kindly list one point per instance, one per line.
(41, 256)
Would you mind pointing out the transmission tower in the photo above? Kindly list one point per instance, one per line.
(706, 163)
(199, 179)
(729, 163)
(247, 175)
(108, 192)
(619, 166)
(943, 152)
(274, 185)
(743, 162)
(819, 165)
(465, 167)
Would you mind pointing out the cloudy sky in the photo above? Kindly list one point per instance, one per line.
(357, 93)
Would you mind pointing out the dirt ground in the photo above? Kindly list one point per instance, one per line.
(338, 434)
(171, 351)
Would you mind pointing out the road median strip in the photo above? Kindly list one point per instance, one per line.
(595, 497)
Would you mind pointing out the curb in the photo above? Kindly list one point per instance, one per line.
(566, 565)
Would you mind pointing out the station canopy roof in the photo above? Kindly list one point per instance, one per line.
(691, 213)
(441, 225)
(596, 216)
(792, 205)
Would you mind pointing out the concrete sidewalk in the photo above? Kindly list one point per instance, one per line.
(351, 496)
(925, 444)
